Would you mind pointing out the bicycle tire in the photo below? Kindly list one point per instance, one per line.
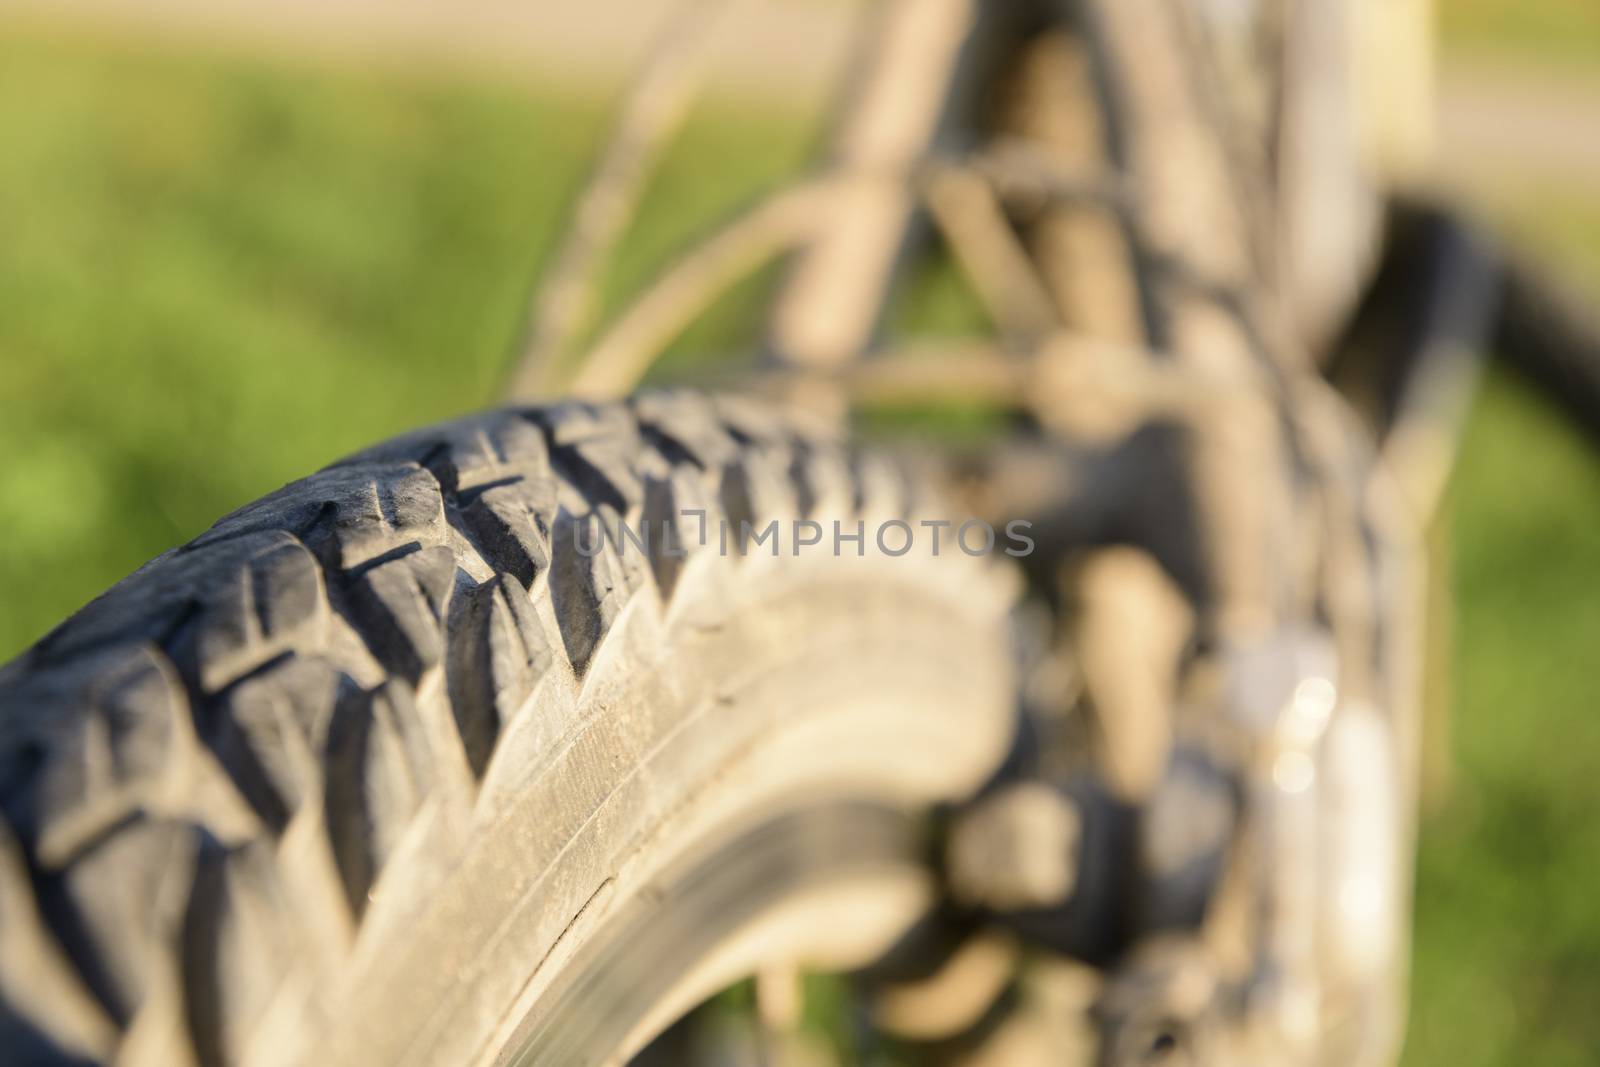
(357, 773)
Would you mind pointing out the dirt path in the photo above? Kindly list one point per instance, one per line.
(1500, 124)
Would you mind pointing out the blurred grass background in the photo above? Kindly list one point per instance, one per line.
(1536, 31)
(218, 272)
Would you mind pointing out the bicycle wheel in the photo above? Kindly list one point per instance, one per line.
(398, 765)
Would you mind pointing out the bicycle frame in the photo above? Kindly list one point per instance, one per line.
(1167, 234)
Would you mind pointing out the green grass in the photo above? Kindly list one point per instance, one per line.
(1508, 938)
(1542, 32)
(1507, 966)
(216, 275)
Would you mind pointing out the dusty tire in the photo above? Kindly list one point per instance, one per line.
(357, 775)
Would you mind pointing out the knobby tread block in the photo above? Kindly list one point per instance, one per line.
(431, 564)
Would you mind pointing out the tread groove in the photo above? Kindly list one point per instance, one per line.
(321, 652)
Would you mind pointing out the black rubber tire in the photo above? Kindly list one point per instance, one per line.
(330, 782)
